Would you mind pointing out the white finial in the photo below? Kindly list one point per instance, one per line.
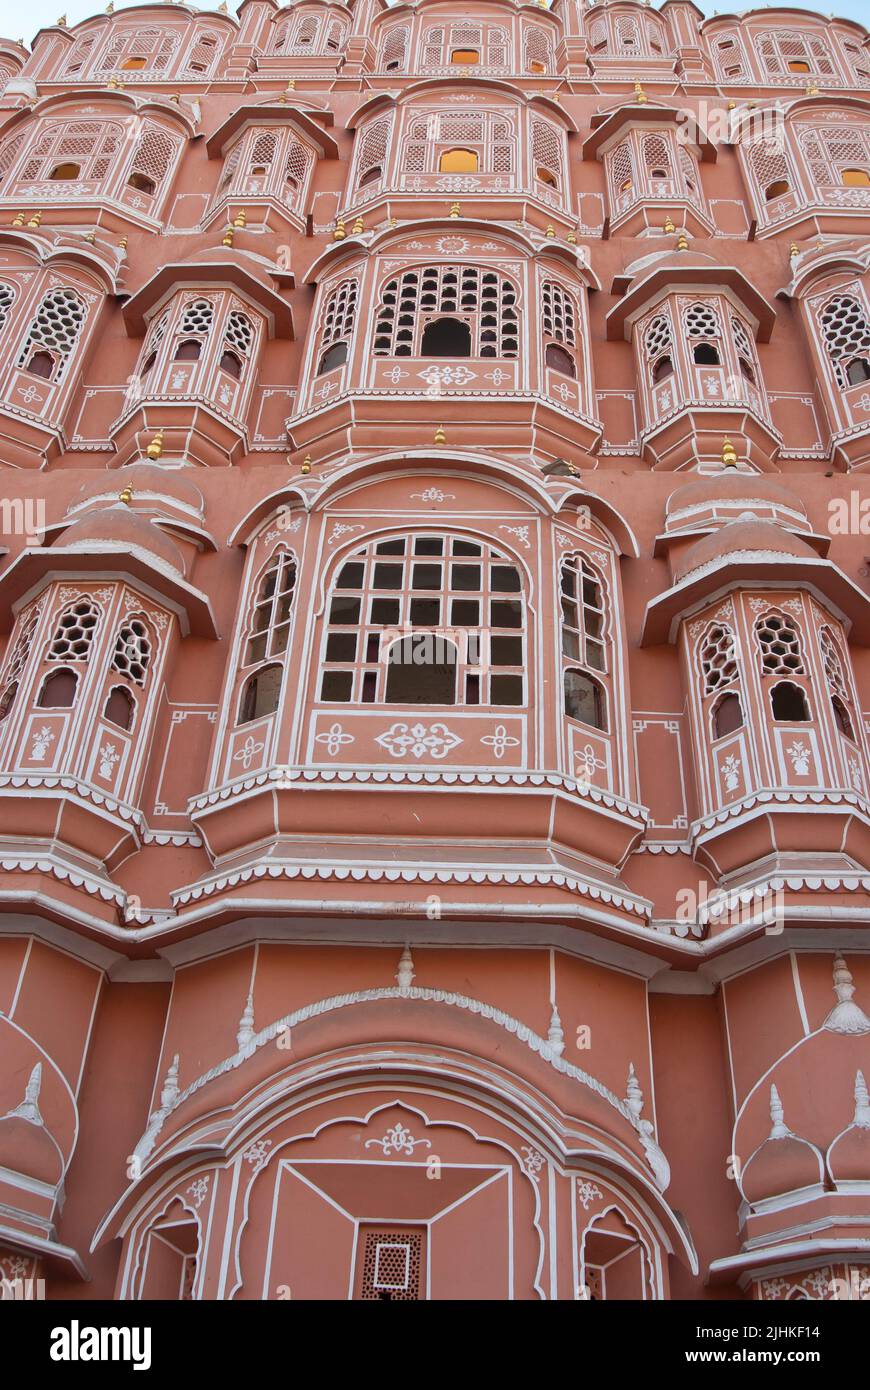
(633, 1094)
(29, 1107)
(862, 1102)
(405, 972)
(245, 1035)
(555, 1036)
(845, 1017)
(169, 1094)
(779, 1129)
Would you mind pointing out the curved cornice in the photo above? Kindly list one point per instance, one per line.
(130, 103)
(382, 101)
(674, 275)
(251, 113)
(788, 110)
(607, 126)
(745, 18)
(47, 252)
(215, 270)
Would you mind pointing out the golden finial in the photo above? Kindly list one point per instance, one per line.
(222, 8)
(291, 85)
(305, 466)
(812, 89)
(91, 237)
(122, 244)
(669, 225)
(120, 86)
(550, 232)
(18, 220)
(241, 218)
(229, 233)
(440, 436)
(394, 221)
(110, 8)
(729, 457)
(111, 85)
(61, 23)
(126, 495)
(640, 95)
(682, 242)
(155, 448)
(358, 226)
(176, 97)
(793, 251)
(35, 219)
(455, 211)
(571, 238)
(339, 234)
(732, 106)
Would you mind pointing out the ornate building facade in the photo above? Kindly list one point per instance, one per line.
(434, 814)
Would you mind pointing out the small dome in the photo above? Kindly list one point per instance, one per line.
(151, 482)
(256, 266)
(670, 256)
(120, 525)
(744, 534)
(779, 1166)
(730, 487)
(30, 1150)
(849, 1155)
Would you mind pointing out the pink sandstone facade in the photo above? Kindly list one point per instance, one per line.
(434, 819)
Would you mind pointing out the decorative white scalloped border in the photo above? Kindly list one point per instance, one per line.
(766, 798)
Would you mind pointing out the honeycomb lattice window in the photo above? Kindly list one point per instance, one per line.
(392, 1266)
(425, 619)
(742, 341)
(537, 49)
(657, 157)
(132, 651)
(74, 634)
(73, 150)
(584, 614)
(138, 50)
(394, 52)
(239, 333)
(340, 314)
(627, 35)
(834, 675)
(7, 298)
(197, 319)
(54, 331)
(203, 55)
(717, 655)
(770, 168)
(621, 167)
(701, 322)
(846, 333)
(9, 152)
(546, 153)
(779, 646)
(559, 314)
(372, 151)
(155, 151)
(691, 179)
(482, 300)
(18, 659)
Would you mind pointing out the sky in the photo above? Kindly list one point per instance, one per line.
(23, 20)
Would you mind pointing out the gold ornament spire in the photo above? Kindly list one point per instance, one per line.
(155, 448)
(440, 436)
(729, 457)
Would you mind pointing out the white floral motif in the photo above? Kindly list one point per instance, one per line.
(500, 740)
(731, 769)
(339, 530)
(395, 375)
(42, 740)
(587, 763)
(800, 758)
(436, 740)
(109, 756)
(447, 376)
(334, 738)
(856, 775)
(532, 1163)
(248, 752)
(587, 1193)
(258, 1154)
(521, 533)
(198, 1191)
(434, 494)
(398, 1140)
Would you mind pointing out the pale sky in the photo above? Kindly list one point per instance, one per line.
(23, 20)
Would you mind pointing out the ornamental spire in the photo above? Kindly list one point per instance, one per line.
(845, 1017)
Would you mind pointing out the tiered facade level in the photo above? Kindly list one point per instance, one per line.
(434, 820)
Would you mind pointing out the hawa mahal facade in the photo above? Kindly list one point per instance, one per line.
(434, 820)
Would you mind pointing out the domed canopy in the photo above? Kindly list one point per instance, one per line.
(163, 491)
(730, 486)
(120, 526)
(743, 537)
(218, 267)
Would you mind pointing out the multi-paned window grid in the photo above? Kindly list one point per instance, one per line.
(7, 299)
(340, 314)
(583, 614)
(701, 321)
(488, 137)
(18, 660)
(779, 646)
(717, 655)
(782, 53)
(74, 634)
(846, 334)
(770, 168)
(144, 50)
(465, 45)
(443, 599)
(392, 1266)
(272, 611)
(559, 314)
(132, 651)
(267, 162)
(546, 154)
(837, 155)
(743, 346)
(76, 150)
(482, 299)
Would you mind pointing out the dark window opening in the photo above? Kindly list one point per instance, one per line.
(584, 699)
(371, 175)
(560, 360)
(858, 371)
(841, 714)
(746, 370)
(775, 190)
(260, 694)
(334, 356)
(706, 355)
(446, 338)
(120, 707)
(422, 671)
(41, 364)
(58, 690)
(663, 368)
(727, 716)
(65, 171)
(8, 699)
(142, 182)
(789, 703)
(231, 364)
(188, 351)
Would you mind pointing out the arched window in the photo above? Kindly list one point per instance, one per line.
(837, 156)
(120, 707)
(538, 50)
(584, 699)
(846, 335)
(658, 348)
(704, 334)
(459, 162)
(394, 50)
(547, 153)
(744, 349)
(583, 613)
(193, 330)
(267, 637)
(835, 680)
(58, 690)
(18, 659)
(53, 334)
(237, 344)
(779, 646)
(717, 657)
(727, 715)
(621, 169)
(446, 338)
(559, 360)
(79, 150)
(74, 634)
(372, 151)
(339, 317)
(203, 54)
(389, 606)
(788, 703)
(769, 167)
(657, 158)
(267, 162)
(480, 303)
(152, 160)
